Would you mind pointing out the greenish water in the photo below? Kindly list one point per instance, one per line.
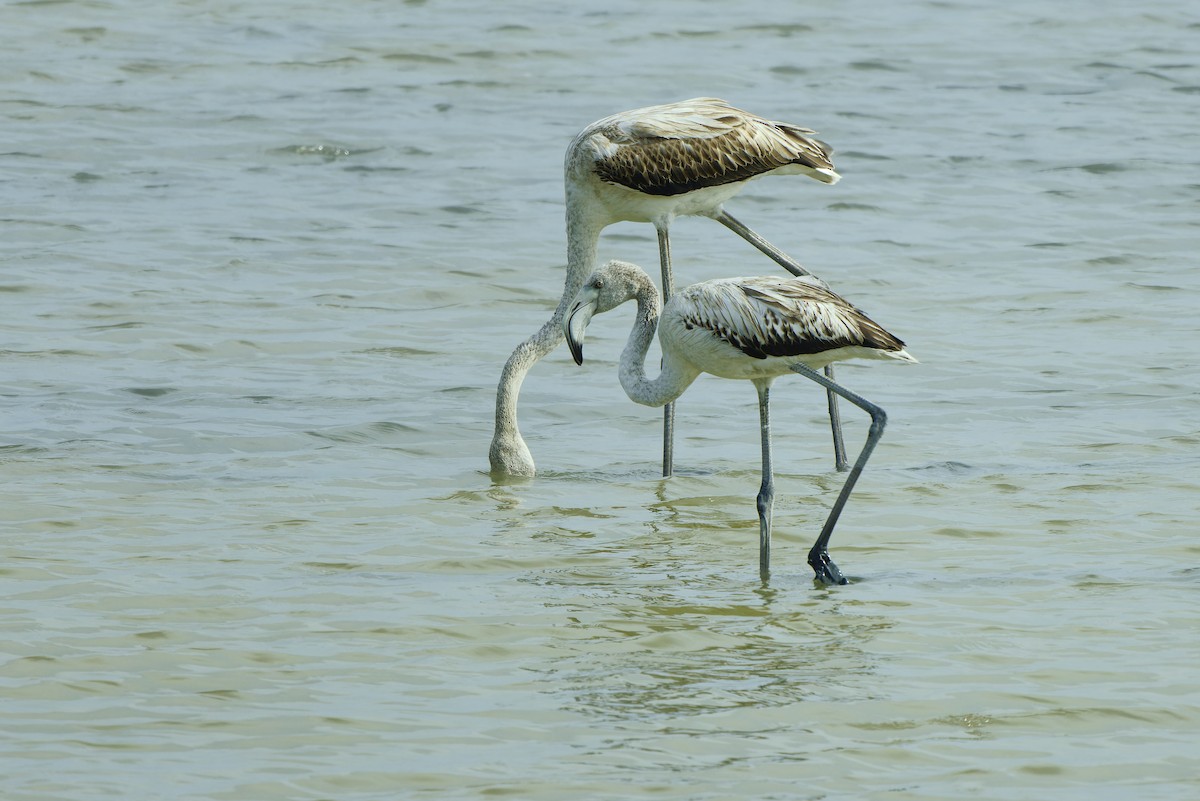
(262, 264)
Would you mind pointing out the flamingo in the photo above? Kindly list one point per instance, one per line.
(749, 328)
(651, 165)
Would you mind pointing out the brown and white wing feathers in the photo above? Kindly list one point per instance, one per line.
(694, 144)
(782, 317)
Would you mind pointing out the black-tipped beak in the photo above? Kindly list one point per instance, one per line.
(574, 326)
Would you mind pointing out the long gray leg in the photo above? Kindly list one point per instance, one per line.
(792, 266)
(818, 558)
(754, 238)
(668, 287)
(766, 493)
(840, 462)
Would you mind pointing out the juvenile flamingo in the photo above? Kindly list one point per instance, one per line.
(651, 165)
(750, 328)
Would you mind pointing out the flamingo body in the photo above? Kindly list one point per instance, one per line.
(757, 327)
(699, 151)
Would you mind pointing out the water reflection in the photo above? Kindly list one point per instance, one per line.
(684, 642)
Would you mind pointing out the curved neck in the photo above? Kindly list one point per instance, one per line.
(583, 236)
(676, 375)
(508, 451)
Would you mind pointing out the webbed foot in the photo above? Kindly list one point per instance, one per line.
(824, 568)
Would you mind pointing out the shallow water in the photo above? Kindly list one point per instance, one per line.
(262, 265)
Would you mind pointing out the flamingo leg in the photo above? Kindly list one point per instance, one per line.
(766, 493)
(668, 287)
(754, 238)
(794, 267)
(840, 462)
(818, 558)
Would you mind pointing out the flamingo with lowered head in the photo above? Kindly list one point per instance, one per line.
(749, 328)
(651, 165)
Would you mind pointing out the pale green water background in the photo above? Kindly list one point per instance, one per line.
(262, 263)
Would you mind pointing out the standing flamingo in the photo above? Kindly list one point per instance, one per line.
(651, 165)
(749, 328)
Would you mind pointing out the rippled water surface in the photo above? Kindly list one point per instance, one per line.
(262, 263)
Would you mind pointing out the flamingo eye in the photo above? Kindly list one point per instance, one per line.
(598, 284)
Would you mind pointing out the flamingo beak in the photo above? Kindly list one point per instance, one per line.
(576, 323)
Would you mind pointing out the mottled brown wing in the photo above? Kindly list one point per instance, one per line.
(796, 319)
(670, 155)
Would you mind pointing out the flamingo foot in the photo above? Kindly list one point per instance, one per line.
(824, 568)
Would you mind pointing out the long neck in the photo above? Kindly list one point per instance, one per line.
(509, 453)
(676, 375)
